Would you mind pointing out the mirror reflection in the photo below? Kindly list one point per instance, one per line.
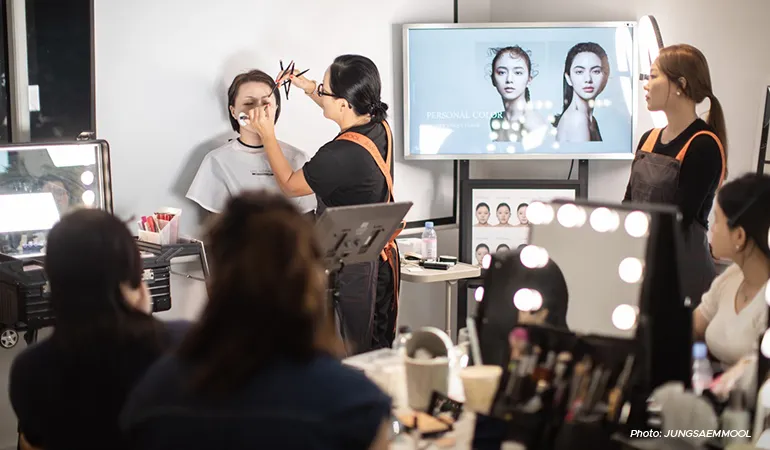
(601, 253)
(40, 184)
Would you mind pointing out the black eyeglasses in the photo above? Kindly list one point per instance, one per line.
(322, 93)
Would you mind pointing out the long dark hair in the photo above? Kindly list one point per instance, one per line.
(583, 47)
(357, 79)
(252, 76)
(266, 293)
(686, 61)
(516, 52)
(89, 254)
(745, 203)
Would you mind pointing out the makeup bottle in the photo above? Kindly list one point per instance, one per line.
(518, 341)
(559, 381)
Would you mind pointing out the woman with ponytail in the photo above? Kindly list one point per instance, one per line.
(355, 168)
(684, 163)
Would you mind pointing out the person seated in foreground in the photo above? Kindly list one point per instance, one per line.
(68, 390)
(260, 368)
(733, 313)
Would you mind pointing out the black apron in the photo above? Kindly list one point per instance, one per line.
(655, 179)
(366, 307)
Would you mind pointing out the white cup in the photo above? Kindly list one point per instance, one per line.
(423, 376)
(480, 384)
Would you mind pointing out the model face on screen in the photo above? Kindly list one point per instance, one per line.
(503, 215)
(586, 72)
(482, 215)
(481, 251)
(511, 76)
(521, 214)
(586, 75)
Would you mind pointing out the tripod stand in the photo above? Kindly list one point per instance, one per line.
(352, 235)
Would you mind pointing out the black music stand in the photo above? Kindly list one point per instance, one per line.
(355, 234)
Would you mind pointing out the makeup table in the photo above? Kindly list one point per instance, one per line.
(413, 273)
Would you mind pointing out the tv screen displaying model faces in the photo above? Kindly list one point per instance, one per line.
(519, 91)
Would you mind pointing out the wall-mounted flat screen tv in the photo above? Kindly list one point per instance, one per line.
(520, 91)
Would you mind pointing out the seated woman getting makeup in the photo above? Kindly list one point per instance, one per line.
(67, 391)
(260, 368)
(733, 313)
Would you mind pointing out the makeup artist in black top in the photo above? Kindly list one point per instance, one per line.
(684, 163)
(354, 168)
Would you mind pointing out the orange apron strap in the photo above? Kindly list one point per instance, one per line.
(384, 166)
(683, 152)
(652, 138)
(367, 143)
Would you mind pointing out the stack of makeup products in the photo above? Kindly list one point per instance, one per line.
(554, 377)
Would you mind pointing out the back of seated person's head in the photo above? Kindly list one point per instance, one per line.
(94, 271)
(266, 291)
(549, 281)
(743, 217)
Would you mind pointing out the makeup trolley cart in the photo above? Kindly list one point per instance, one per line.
(38, 183)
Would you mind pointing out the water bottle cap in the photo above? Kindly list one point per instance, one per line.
(428, 224)
(699, 350)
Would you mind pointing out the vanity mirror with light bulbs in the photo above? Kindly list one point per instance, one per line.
(39, 183)
(620, 266)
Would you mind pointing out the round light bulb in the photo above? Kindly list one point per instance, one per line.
(604, 220)
(87, 178)
(571, 216)
(631, 270)
(495, 125)
(511, 149)
(539, 213)
(539, 104)
(490, 147)
(493, 136)
(506, 125)
(486, 261)
(637, 224)
(624, 317)
(88, 198)
(548, 104)
(527, 300)
(479, 293)
(534, 257)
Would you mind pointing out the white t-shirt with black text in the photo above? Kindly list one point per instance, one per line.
(236, 167)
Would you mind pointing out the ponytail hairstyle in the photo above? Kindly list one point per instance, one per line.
(686, 62)
(515, 52)
(357, 79)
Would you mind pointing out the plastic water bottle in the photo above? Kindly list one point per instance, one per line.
(429, 243)
(399, 343)
(701, 368)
